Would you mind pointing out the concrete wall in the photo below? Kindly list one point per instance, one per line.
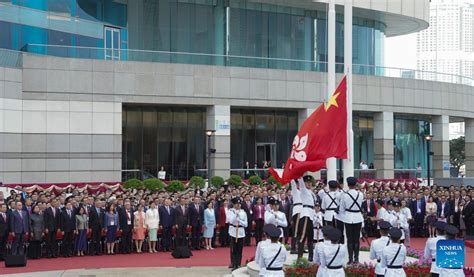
(61, 118)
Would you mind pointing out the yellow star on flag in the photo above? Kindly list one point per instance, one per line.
(332, 102)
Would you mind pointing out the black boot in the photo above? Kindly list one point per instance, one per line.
(356, 252)
(350, 250)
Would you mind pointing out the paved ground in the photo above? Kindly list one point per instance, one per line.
(128, 272)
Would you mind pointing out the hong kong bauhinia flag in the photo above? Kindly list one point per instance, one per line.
(323, 135)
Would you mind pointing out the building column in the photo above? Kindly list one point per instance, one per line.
(440, 146)
(218, 119)
(302, 116)
(383, 145)
(469, 148)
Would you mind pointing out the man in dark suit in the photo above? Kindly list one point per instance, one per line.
(418, 210)
(444, 209)
(196, 215)
(3, 230)
(369, 211)
(285, 207)
(51, 225)
(19, 226)
(167, 221)
(96, 224)
(182, 222)
(126, 226)
(67, 223)
(455, 211)
(247, 206)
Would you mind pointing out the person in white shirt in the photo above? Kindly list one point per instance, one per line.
(406, 230)
(330, 203)
(272, 255)
(350, 208)
(382, 213)
(295, 215)
(261, 244)
(237, 218)
(152, 221)
(430, 247)
(399, 221)
(274, 216)
(305, 227)
(331, 256)
(394, 255)
(377, 246)
(451, 232)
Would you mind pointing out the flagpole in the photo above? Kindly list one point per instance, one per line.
(331, 162)
(348, 163)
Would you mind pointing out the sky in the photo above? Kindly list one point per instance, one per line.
(400, 51)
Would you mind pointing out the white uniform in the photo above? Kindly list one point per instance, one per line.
(318, 226)
(237, 217)
(350, 205)
(398, 220)
(407, 213)
(258, 253)
(307, 198)
(268, 253)
(329, 204)
(325, 253)
(276, 218)
(383, 214)
(296, 194)
(376, 248)
(390, 259)
(430, 252)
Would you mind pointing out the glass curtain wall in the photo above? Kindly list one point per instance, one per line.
(410, 145)
(163, 136)
(363, 128)
(255, 133)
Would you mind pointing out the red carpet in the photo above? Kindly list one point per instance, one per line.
(216, 257)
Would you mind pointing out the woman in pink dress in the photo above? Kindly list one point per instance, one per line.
(139, 228)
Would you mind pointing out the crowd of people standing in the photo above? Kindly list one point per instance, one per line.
(76, 222)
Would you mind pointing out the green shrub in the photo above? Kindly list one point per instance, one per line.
(273, 181)
(153, 184)
(234, 180)
(133, 184)
(217, 181)
(255, 181)
(175, 186)
(197, 182)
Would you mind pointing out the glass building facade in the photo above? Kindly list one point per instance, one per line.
(172, 137)
(363, 128)
(261, 135)
(410, 145)
(275, 36)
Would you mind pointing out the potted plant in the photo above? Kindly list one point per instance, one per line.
(301, 268)
(234, 180)
(175, 186)
(217, 181)
(133, 184)
(197, 182)
(255, 181)
(153, 184)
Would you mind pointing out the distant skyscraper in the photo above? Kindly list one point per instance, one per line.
(447, 46)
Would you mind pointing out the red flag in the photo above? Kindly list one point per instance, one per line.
(323, 135)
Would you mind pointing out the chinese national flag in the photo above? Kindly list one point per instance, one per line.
(323, 135)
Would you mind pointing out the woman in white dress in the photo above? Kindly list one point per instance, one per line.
(152, 221)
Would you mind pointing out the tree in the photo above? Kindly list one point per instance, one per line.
(457, 152)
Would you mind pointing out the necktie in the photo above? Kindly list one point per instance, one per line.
(19, 212)
(54, 212)
(4, 217)
(69, 213)
(197, 208)
(168, 209)
(182, 208)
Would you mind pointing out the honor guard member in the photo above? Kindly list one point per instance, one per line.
(237, 222)
(351, 202)
(430, 247)
(274, 216)
(377, 246)
(295, 214)
(330, 203)
(261, 244)
(394, 255)
(451, 232)
(382, 213)
(399, 220)
(305, 227)
(331, 256)
(273, 254)
(318, 224)
(407, 213)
